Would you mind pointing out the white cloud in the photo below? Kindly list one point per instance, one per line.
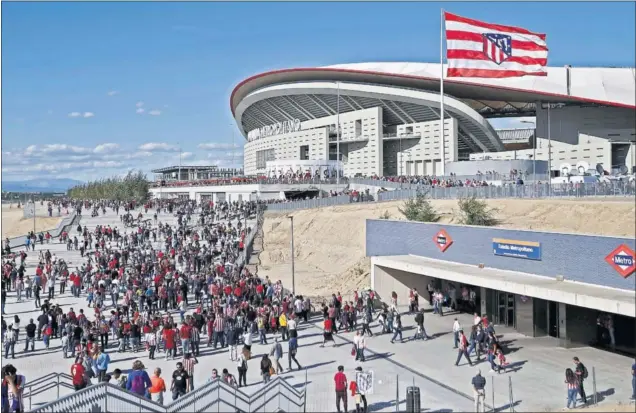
(106, 147)
(154, 112)
(88, 114)
(186, 155)
(140, 110)
(81, 115)
(139, 104)
(217, 146)
(112, 92)
(74, 115)
(158, 147)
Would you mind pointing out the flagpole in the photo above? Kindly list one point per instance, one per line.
(441, 92)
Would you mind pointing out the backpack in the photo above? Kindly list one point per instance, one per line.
(585, 373)
(137, 385)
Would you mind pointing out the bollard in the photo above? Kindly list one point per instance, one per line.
(493, 393)
(512, 399)
(594, 385)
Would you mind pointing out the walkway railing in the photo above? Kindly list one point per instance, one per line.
(55, 232)
(215, 396)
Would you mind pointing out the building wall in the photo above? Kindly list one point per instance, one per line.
(423, 156)
(576, 257)
(567, 123)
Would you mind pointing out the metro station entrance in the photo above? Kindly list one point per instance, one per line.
(501, 307)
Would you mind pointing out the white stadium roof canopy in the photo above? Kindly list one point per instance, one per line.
(409, 92)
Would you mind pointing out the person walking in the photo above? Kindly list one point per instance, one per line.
(102, 360)
(463, 349)
(397, 328)
(581, 373)
(180, 382)
(456, 329)
(340, 381)
(266, 369)
(241, 366)
(276, 352)
(291, 353)
(360, 344)
(634, 381)
(138, 380)
(188, 365)
(158, 387)
(572, 382)
(479, 392)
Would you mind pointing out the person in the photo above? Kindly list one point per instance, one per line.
(158, 387)
(277, 353)
(357, 394)
(359, 344)
(120, 378)
(266, 369)
(180, 382)
(241, 365)
(12, 388)
(479, 392)
(634, 381)
(581, 373)
(327, 332)
(462, 350)
(138, 379)
(291, 353)
(102, 360)
(188, 365)
(572, 382)
(228, 378)
(340, 380)
(397, 328)
(78, 374)
(456, 329)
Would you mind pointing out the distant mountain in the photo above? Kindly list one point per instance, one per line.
(40, 185)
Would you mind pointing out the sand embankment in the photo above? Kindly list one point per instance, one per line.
(330, 242)
(14, 225)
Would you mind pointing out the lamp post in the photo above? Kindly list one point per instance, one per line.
(291, 218)
(534, 149)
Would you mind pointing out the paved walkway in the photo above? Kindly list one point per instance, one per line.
(537, 382)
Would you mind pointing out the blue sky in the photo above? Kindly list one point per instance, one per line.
(112, 86)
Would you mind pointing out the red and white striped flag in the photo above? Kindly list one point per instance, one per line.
(479, 49)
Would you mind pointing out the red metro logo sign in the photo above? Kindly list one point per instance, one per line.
(442, 240)
(622, 260)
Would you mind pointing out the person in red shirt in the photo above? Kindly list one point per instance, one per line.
(77, 373)
(169, 339)
(185, 333)
(328, 333)
(340, 380)
(227, 290)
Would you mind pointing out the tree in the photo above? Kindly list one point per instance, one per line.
(419, 209)
(473, 211)
(132, 187)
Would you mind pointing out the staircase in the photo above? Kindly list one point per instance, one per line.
(216, 396)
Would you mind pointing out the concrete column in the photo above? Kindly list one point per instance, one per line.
(484, 306)
(564, 341)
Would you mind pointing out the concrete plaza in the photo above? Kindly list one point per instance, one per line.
(537, 377)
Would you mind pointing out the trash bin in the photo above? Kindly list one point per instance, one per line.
(413, 399)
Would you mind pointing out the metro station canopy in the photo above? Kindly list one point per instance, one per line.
(409, 93)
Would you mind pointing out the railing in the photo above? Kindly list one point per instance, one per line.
(41, 385)
(55, 232)
(615, 189)
(318, 203)
(252, 181)
(213, 396)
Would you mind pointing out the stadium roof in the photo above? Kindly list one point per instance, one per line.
(409, 92)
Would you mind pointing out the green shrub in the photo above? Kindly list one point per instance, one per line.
(419, 209)
(473, 211)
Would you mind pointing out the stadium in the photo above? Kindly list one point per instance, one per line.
(389, 117)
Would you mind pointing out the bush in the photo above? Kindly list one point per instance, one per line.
(473, 211)
(419, 209)
(385, 215)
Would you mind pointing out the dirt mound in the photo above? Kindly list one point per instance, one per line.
(330, 242)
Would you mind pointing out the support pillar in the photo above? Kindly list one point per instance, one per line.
(564, 341)
(482, 299)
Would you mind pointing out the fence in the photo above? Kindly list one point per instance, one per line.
(67, 221)
(215, 396)
(313, 203)
(617, 189)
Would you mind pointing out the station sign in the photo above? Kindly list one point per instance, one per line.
(529, 250)
(442, 240)
(622, 260)
(279, 128)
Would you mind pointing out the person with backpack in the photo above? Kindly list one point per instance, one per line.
(582, 373)
(138, 380)
(241, 365)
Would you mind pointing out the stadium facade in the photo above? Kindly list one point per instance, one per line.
(389, 117)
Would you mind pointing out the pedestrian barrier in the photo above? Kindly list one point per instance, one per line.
(68, 221)
(215, 396)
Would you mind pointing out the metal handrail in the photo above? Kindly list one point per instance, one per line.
(55, 232)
